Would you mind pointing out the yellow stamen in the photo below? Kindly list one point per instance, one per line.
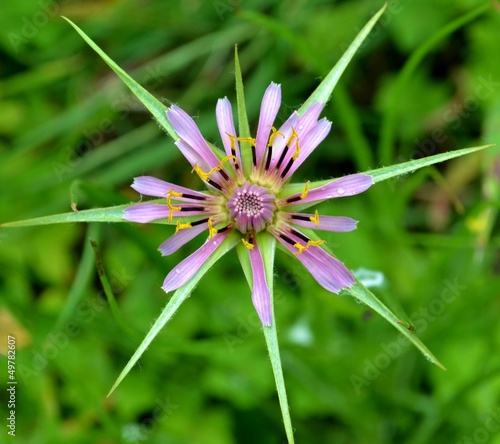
(250, 140)
(273, 135)
(171, 194)
(233, 141)
(292, 136)
(305, 192)
(297, 145)
(204, 176)
(315, 218)
(247, 244)
(181, 226)
(211, 230)
(301, 248)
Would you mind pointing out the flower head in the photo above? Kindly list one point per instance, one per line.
(248, 193)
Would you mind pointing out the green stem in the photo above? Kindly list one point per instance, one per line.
(274, 355)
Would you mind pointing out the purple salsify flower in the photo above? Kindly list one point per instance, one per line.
(250, 199)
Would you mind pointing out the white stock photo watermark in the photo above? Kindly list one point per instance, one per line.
(481, 435)
(451, 118)
(393, 350)
(30, 25)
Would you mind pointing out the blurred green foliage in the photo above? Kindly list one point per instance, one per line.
(432, 238)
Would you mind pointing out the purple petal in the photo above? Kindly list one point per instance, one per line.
(309, 119)
(308, 144)
(329, 272)
(345, 186)
(151, 186)
(188, 131)
(225, 122)
(325, 223)
(280, 142)
(190, 266)
(145, 212)
(302, 126)
(269, 109)
(182, 237)
(261, 297)
(191, 155)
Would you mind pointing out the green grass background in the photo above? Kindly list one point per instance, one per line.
(70, 131)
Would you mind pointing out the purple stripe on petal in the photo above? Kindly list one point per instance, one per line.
(188, 131)
(182, 237)
(261, 297)
(329, 272)
(145, 212)
(151, 186)
(281, 141)
(191, 210)
(343, 187)
(269, 109)
(325, 223)
(308, 144)
(190, 266)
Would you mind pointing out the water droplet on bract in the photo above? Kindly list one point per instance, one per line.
(340, 191)
(177, 270)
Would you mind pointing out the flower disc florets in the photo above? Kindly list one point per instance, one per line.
(251, 208)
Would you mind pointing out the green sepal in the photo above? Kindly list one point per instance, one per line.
(361, 293)
(243, 126)
(380, 174)
(179, 296)
(156, 108)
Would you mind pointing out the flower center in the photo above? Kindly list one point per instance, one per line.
(251, 208)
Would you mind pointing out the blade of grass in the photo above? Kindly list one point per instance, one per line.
(83, 277)
(108, 291)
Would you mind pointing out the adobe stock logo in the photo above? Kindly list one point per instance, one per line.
(30, 26)
(393, 350)
(482, 434)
